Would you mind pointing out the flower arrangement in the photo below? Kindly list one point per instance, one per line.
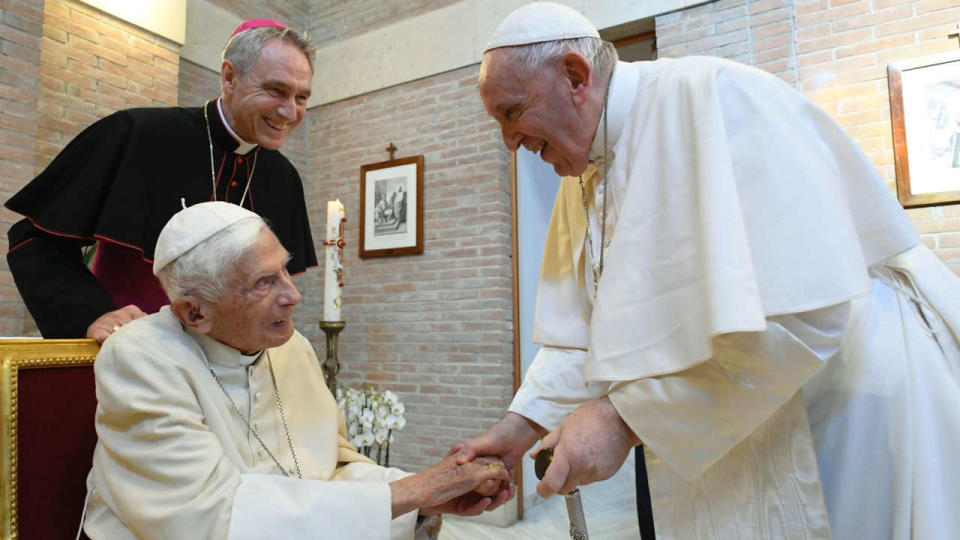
(371, 417)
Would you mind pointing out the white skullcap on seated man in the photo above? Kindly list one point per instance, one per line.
(728, 280)
(214, 420)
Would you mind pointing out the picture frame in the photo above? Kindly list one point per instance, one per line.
(925, 117)
(391, 208)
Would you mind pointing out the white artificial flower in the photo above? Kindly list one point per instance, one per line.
(392, 421)
(366, 438)
(371, 416)
(353, 409)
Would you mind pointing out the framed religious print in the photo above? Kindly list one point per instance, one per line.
(925, 112)
(391, 208)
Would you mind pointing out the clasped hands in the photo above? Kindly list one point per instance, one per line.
(590, 445)
(465, 489)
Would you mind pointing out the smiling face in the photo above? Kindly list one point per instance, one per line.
(255, 313)
(267, 103)
(549, 112)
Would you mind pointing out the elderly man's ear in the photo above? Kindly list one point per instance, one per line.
(193, 312)
(577, 72)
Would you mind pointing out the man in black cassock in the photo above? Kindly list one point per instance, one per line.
(122, 178)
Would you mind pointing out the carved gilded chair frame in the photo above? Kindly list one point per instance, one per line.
(17, 354)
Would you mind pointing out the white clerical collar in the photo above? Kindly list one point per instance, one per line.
(244, 147)
(623, 91)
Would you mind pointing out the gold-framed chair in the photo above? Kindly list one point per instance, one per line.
(47, 436)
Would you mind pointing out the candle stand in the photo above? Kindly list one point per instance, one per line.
(331, 366)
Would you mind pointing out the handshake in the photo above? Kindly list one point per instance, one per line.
(452, 487)
(474, 477)
(588, 446)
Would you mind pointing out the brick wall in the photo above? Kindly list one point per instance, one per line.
(93, 65)
(20, 30)
(65, 65)
(336, 19)
(197, 84)
(836, 52)
(295, 13)
(757, 33)
(437, 327)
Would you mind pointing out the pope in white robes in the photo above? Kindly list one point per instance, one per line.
(765, 320)
(214, 420)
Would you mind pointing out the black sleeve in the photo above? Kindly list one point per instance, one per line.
(68, 196)
(58, 289)
(63, 205)
(308, 256)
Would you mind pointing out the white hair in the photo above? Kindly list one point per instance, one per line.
(244, 49)
(527, 60)
(203, 271)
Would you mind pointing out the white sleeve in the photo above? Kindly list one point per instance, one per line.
(355, 503)
(692, 418)
(554, 387)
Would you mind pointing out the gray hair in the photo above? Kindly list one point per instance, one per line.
(201, 271)
(529, 59)
(244, 49)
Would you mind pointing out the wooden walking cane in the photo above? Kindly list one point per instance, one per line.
(578, 524)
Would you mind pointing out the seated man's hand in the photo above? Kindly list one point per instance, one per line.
(108, 323)
(484, 496)
(451, 487)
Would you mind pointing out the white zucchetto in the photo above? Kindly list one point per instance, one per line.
(539, 22)
(193, 225)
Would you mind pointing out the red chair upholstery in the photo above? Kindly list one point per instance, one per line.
(48, 402)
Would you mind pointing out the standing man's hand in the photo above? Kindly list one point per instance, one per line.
(108, 323)
(508, 439)
(590, 445)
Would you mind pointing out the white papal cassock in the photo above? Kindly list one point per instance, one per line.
(174, 460)
(767, 322)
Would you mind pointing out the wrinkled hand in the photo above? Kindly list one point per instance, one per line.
(475, 502)
(452, 487)
(106, 324)
(449, 487)
(589, 446)
(508, 439)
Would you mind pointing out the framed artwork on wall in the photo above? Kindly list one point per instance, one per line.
(925, 112)
(391, 208)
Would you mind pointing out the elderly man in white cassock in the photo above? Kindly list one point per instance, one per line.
(214, 420)
(727, 281)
